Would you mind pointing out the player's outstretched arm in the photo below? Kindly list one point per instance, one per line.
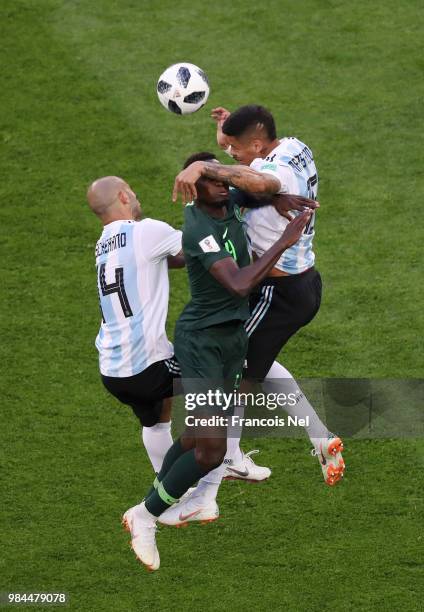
(241, 281)
(239, 176)
(284, 203)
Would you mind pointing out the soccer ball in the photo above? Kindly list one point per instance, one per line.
(183, 88)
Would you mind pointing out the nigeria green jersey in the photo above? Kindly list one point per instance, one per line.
(205, 241)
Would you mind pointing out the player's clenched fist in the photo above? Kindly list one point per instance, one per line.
(220, 114)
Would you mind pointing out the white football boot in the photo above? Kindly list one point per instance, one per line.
(188, 510)
(246, 470)
(329, 453)
(187, 493)
(142, 527)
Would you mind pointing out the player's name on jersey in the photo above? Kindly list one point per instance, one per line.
(112, 243)
(239, 421)
(301, 160)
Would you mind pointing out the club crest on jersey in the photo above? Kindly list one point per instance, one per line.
(209, 245)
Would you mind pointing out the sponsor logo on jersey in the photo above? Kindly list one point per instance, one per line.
(209, 245)
(269, 166)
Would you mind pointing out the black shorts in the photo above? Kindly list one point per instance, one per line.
(279, 306)
(146, 391)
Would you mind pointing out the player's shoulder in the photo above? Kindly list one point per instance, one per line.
(114, 229)
(191, 220)
(154, 226)
(194, 217)
(149, 223)
(289, 147)
(197, 225)
(190, 210)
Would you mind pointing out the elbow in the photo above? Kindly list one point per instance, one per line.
(241, 291)
(261, 187)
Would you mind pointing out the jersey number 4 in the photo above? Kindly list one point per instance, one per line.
(116, 287)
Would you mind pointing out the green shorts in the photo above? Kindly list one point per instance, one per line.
(216, 353)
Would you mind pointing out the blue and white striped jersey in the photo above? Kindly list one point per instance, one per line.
(133, 285)
(292, 163)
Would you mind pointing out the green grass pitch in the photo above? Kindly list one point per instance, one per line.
(78, 101)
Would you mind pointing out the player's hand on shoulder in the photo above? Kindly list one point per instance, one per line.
(294, 229)
(286, 202)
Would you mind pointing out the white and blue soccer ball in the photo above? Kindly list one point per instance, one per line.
(183, 88)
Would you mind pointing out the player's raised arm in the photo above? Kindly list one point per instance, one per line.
(239, 176)
(219, 115)
(284, 203)
(240, 281)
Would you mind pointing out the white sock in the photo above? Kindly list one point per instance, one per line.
(207, 488)
(316, 428)
(157, 440)
(234, 453)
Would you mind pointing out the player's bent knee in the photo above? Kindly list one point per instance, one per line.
(148, 420)
(148, 415)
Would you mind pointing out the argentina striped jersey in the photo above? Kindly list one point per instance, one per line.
(292, 163)
(133, 286)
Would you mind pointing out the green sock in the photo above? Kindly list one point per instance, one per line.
(152, 488)
(179, 478)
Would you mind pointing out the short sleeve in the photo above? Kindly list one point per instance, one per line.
(159, 240)
(204, 247)
(281, 171)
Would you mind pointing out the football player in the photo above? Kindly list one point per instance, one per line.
(135, 356)
(289, 297)
(210, 343)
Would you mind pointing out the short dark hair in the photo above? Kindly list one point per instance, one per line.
(248, 117)
(203, 156)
